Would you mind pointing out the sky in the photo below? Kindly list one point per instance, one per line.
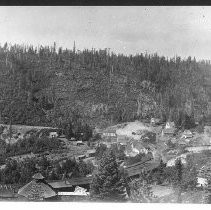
(168, 31)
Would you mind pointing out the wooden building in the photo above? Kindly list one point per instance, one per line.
(38, 189)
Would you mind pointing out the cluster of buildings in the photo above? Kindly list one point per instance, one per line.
(40, 189)
(12, 133)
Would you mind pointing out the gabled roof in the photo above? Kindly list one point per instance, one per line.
(170, 124)
(38, 176)
(36, 190)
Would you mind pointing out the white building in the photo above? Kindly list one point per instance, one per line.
(53, 134)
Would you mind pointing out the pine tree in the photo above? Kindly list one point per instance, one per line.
(178, 181)
(161, 169)
(140, 189)
(108, 184)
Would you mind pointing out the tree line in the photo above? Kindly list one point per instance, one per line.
(53, 86)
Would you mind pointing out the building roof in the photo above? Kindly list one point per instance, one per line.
(169, 131)
(91, 151)
(123, 139)
(38, 176)
(139, 167)
(36, 190)
(109, 130)
(170, 124)
(60, 184)
(80, 156)
(75, 181)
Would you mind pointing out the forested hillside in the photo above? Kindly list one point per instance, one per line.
(53, 87)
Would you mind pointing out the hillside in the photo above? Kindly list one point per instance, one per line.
(49, 87)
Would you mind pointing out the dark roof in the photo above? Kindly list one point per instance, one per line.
(139, 167)
(74, 181)
(60, 184)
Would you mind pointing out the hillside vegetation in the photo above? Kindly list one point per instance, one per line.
(67, 88)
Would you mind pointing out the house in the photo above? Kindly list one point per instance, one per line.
(80, 157)
(134, 148)
(168, 132)
(109, 133)
(169, 125)
(48, 132)
(72, 139)
(53, 134)
(172, 161)
(155, 121)
(69, 185)
(123, 139)
(37, 189)
(61, 186)
(79, 143)
(202, 182)
(91, 153)
(109, 136)
(98, 131)
(187, 134)
(169, 129)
